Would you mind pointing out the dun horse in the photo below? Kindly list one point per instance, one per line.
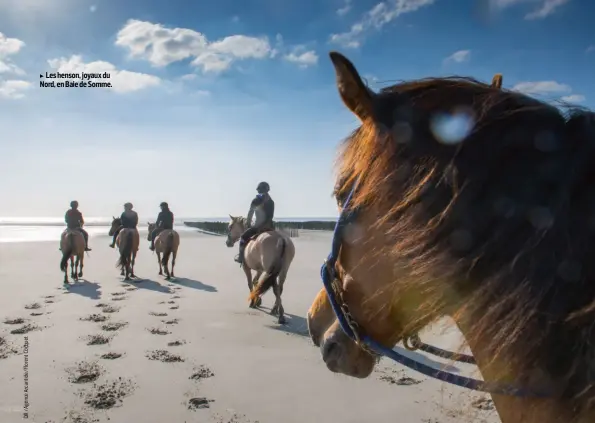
(128, 241)
(495, 229)
(166, 243)
(270, 254)
(72, 244)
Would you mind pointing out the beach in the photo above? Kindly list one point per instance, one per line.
(191, 350)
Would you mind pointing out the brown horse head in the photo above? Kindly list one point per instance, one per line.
(472, 202)
(236, 227)
(116, 223)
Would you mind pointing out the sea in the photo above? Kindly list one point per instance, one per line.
(36, 229)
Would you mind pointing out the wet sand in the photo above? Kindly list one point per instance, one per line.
(192, 350)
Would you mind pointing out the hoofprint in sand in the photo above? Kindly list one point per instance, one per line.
(192, 350)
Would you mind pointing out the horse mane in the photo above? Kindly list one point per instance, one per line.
(499, 226)
(242, 220)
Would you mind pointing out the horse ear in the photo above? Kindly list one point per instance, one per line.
(231, 217)
(113, 218)
(497, 81)
(354, 93)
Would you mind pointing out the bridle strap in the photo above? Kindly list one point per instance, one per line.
(333, 286)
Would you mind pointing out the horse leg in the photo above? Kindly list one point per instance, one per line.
(258, 302)
(159, 261)
(278, 291)
(132, 261)
(81, 265)
(166, 267)
(173, 262)
(76, 268)
(248, 273)
(66, 274)
(72, 272)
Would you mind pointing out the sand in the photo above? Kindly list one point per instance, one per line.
(223, 361)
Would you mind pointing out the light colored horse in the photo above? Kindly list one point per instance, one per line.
(128, 242)
(270, 254)
(72, 244)
(493, 229)
(166, 243)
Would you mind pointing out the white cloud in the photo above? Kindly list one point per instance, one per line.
(381, 14)
(301, 57)
(542, 88)
(122, 81)
(590, 49)
(544, 8)
(7, 67)
(547, 8)
(93, 8)
(13, 89)
(9, 46)
(573, 98)
(458, 57)
(162, 46)
(345, 9)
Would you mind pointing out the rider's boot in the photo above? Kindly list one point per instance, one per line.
(240, 257)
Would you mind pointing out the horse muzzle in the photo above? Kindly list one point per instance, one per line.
(342, 355)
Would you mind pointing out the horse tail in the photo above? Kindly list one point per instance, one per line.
(169, 246)
(67, 252)
(126, 253)
(264, 284)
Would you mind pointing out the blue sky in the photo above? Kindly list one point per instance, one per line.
(209, 98)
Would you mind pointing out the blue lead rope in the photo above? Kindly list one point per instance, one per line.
(327, 276)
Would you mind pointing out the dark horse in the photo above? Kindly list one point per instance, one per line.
(495, 229)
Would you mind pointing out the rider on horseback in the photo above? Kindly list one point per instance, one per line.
(263, 207)
(74, 220)
(129, 220)
(165, 220)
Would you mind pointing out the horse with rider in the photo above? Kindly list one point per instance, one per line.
(263, 249)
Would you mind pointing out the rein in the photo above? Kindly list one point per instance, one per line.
(334, 289)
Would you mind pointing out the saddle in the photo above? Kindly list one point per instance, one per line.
(260, 232)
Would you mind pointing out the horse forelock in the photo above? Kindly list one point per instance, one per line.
(505, 217)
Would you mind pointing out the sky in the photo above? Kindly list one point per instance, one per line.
(209, 98)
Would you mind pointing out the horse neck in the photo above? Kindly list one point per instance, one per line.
(515, 409)
(244, 222)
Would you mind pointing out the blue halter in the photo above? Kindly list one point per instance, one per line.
(333, 287)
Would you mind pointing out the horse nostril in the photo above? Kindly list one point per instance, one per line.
(331, 351)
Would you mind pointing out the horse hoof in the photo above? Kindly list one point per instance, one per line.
(160, 273)
(282, 320)
(258, 302)
(81, 275)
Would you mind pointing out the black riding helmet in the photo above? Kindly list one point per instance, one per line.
(74, 204)
(263, 187)
(164, 205)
